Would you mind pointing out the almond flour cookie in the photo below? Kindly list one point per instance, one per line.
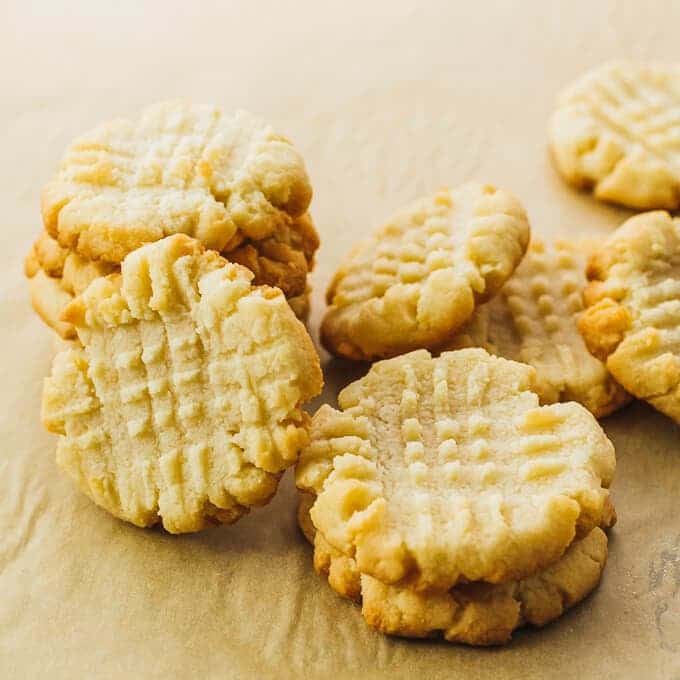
(183, 404)
(419, 278)
(616, 131)
(632, 320)
(534, 320)
(437, 471)
(472, 613)
(177, 168)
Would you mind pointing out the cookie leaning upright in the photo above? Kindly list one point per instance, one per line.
(184, 403)
(615, 131)
(632, 320)
(419, 277)
(177, 168)
(443, 470)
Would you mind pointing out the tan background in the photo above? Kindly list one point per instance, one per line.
(386, 100)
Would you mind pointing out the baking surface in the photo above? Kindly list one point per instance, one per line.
(386, 100)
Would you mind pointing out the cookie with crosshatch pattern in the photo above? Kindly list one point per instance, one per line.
(419, 278)
(177, 168)
(616, 131)
(534, 319)
(632, 316)
(442, 470)
(184, 403)
(472, 613)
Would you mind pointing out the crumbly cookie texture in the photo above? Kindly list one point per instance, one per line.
(184, 403)
(632, 318)
(49, 300)
(472, 613)
(534, 320)
(56, 274)
(615, 131)
(302, 304)
(177, 168)
(419, 278)
(440, 470)
(283, 259)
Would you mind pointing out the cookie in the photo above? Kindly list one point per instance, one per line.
(420, 277)
(283, 260)
(615, 132)
(177, 168)
(73, 272)
(302, 305)
(632, 320)
(46, 254)
(534, 320)
(183, 404)
(441, 470)
(472, 613)
(49, 300)
(56, 275)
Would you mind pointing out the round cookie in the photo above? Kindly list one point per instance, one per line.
(615, 131)
(472, 613)
(177, 168)
(632, 320)
(442, 470)
(183, 404)
(534, 320)
(419, 278)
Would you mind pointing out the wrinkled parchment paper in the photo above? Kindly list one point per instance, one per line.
(386, 100)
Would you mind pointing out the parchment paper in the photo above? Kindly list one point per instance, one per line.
(386, 100)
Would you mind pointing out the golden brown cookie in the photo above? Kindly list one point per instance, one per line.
(472, 613)
(534, 320)
(284, 259)
(48, 255)
(420, 277)
(442, 470)
(302, 305)
(183, 404)
(632, 320)
(55, 276)
(177, 168)
(49, 300)
(615, 131)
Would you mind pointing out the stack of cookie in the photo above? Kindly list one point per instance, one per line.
(226, 179)
(175, 254)
(447, 500)
(443, 495)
